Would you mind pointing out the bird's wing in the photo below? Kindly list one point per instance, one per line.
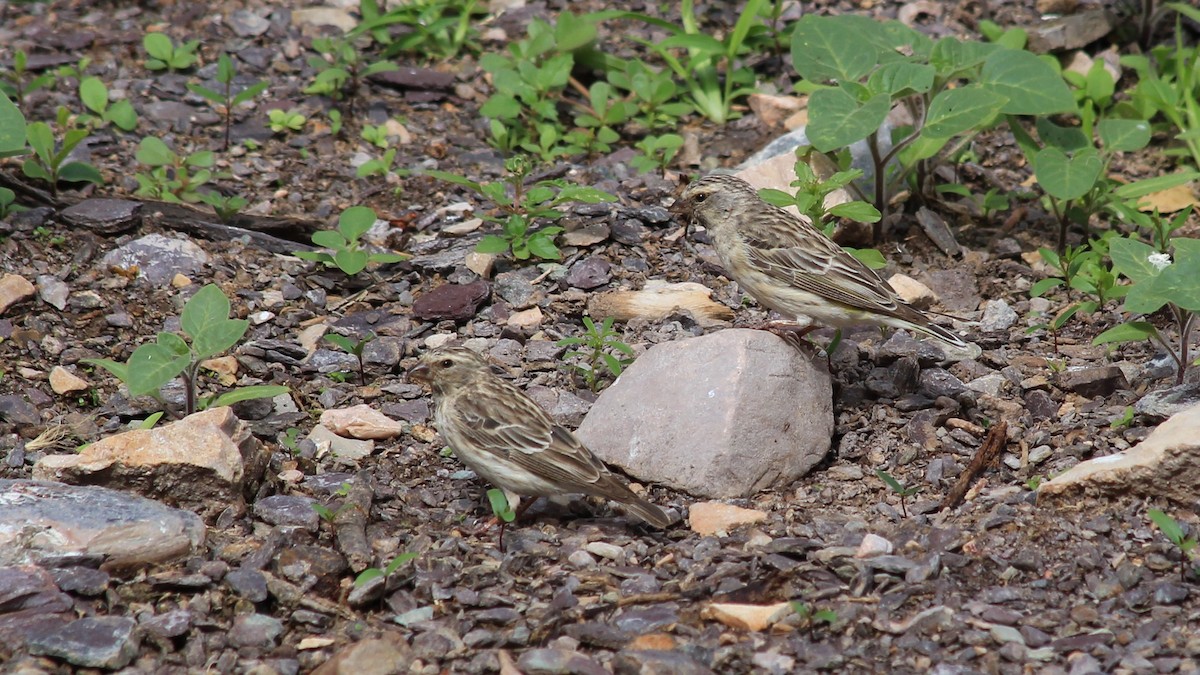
(795, 253)
(525, 435)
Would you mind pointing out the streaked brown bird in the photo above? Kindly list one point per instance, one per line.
(508, 440)
(790, 266)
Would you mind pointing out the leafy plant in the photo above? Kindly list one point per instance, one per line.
(341, 69)
(1169, 85)
(94, 95)
(290, 439)
(602, 350)
(435, 29)
(207, 332)
(1158, 280)
(225, 207)
(1124, 421)
(327, 514)
(811, 617)
(1084, 269)
(49, 161)
(226, 100)
(857, 69)
(1034, 482)
(500, 507)
(1172, 531)
(354, 348)
(657, 152)
(896, 486)
(13, 131)
(374, 572)
(523, 206)
(13, 82)
(713, 79)
(8, 203)
(165, 55)
(652, 94)
(172, 177)
(283, 121)
(348, 254)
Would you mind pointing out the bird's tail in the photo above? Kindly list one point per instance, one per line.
(647, 512)
(955, 347)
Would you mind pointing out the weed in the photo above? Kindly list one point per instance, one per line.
(602, 351)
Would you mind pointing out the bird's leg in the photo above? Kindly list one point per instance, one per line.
(787, 328)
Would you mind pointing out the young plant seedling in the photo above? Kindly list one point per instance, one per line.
(225, 101)
(225, 207)
(284, 121)
(347, 253)
(172, 177)
(374, 572)
(164, 55)
(810, 617)
(327, 514)
(354, 348)
(1172, 530)
(898, 487)
(49, 161)
(13, 82)
(94, 95)
(503, 512)
(599, 345)
(208, 331)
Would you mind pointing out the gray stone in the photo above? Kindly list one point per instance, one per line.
(16, 409)
(81, 580)
(549, 661)
(937, 382)
(1093, 381)
(589, 273)
(901, 344)
(759, 415)
(255, 630)
(171, 624)
(87, 522)
(288, 510)
(997, 316)
(1161, 404)
(53, 291)
(990, 384)
(657, 662)
(248, 583)
(91, 642)
(158, 258)
(515, 289)
(104, 216)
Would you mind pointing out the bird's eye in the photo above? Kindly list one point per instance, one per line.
(446, 363)
(700, 197)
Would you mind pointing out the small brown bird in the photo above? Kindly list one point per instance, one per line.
(791, 267)
(508, 440)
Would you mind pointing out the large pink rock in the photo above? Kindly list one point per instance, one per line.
(723, 415)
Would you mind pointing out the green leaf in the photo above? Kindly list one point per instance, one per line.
(1067, 139)
(542, 245)
(120, 370)
(837, 119)
(492, 244)
(1132, 331)
(123, 115)
(1123, 135)
(827, 48)
(173, 344)
(331, 239)
(248, 393)
(955, 111)
(860, 212)
(151, 366)
(868, 256)
(79, 172)
(344, 343)
(1148, 186)
(218, 338)
(153, 152)
(94, 94)
(355, 221)
(1039, 289)
(1167, 524)
(12, 128)
(206, 308)
(351, 261)
(1031, 85)
(158, 45)
(500, 506)
(367, 575)
(1132, 258)
(1065, 177)
(950, 55)
(41, 139)
(889, 480)
(901, 78)
(701, 43)
(398, 561)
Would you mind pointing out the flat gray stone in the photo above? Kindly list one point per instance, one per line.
(91, 642)
(722, 415)
(158, 258)
(53, 523)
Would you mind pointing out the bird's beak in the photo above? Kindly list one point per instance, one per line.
(419, 373)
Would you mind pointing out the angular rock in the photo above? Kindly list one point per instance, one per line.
(912, 291)
(1166, 464)
(389, 655)
(91, 642)
(746, 617)
(1161, 404)
(289, 511)
(759, 411)
(451, 301)
(589, 273)
(340, 446)
(1093, 381)
(997, 316)
(657, 662)
(157, 258)
(53, 291)
(14, 288)
(204, 462)
(104, 216)
(707, 518)
(88, 523)
(63, 381)
(361, 421)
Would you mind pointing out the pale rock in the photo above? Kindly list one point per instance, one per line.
(465, 227)
(759, 414)
(1166, 464)
(746, 617)
(658, 300)
(361, 421)
(529, 318)
(389, 653)
(310, 337)
(259, 318)
(328, 442)
(771, 109)
(14, 288)
(63, 381)
(204, 462)
(395, 129)
(997, 316)
(226, 368)
(324, 16)
(707, 518)
(873, 545)
(180, 281)
(272, 298)
(912, 291)
(480, 263)
(57, 523)
(158, 258)
(439, 340)
(53, 291)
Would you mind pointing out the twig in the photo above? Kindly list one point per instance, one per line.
(350, 523)
(988, 452)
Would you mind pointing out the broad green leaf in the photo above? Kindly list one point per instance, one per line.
(950, 55)
(329, 239)
(869, 257)
(34, 170)
(158, 45)
(78, 172)
(41, 139)
(351, 261)
(12, 128)
(173, 344)
(492, 244)
(367, 575)
(94, 94)
(699, 42)
(838, 120)
(1167, 524)
(123, 115)
(1131, 258)
(355, 221)
(344, 343)
(398, 561)
(388, 257)
(314, 256)
(1123, 135)
(1039, 289)
(572, 32)
(956, 111)
(901, 78)
(542, 245)
(1180, 282)
(151, 366)
(860, 212)
(1132, 331)
(1064, 177)
(206, 308)
(1141, 188)
(248, 393)
(1031, 85)
(218, 338)
(827, 48)
(500, 505)
(1067, 139)
(120, 370)
(154, 152)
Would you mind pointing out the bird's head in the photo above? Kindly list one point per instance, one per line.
(448, 368)
(712, 200)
